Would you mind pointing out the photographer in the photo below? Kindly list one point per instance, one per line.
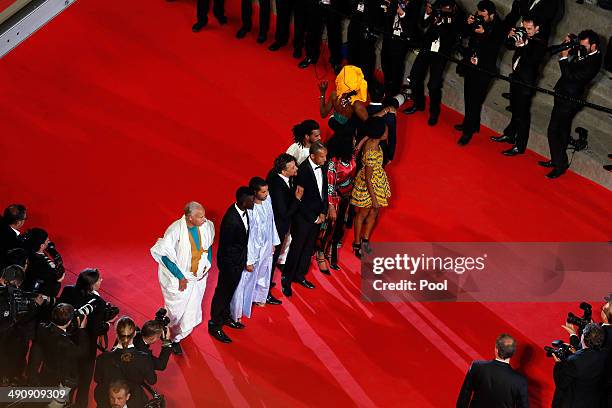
(486, 35)
(578, 378)
(526, 61)
(494, 383)
(125, 363)
(401, 31)
(152, 331)
(546, 12)
(580, 62)
(85, 291)
(443, 25)
(12, 220)
(55, 352)
(366, 22)
(45, 266)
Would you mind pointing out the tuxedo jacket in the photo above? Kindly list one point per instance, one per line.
(530, 58)
(233, 240)
(312, 203)
(547, 12)
(578, 379)
(493, 384)
(284, 203)
(577, 73)
(8, 240)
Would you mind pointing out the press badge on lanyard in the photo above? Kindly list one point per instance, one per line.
(435, 46)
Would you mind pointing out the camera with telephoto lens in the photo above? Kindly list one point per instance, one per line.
(14, 302)
(559, 349)
(519, 35)
(110, 311)
(162, 316)
(572, 44)
(581, 322)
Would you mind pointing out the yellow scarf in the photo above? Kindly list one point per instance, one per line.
(351, 79)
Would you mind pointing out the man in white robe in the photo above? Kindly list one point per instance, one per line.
(263, 237)
(184, 256)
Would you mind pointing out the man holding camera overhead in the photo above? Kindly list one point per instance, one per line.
(529, 53)
(580, 61)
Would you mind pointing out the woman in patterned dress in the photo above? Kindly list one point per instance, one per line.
(371, 190)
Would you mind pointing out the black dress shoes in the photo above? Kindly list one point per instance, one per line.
(198, 26)
(556, 172)
(459, 127)
(176, 348)
(221, 19)
(413, 109)
(242, 32)
(433, 120)
(306, 62)
(297, 54)
(334, 265)
(234, 324)
(219, 335)
(546, 163)
(287, 291)
(275, 46)
(306, 284)
(464, 139)
(503, 139)
(271, 300)
(512, 152)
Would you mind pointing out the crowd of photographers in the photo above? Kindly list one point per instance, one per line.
(51, 337)
(436, 31)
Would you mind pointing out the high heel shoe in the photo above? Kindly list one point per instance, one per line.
(333, 263)
(322, 262)
(357, 249)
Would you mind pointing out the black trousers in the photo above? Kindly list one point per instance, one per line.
(220, 307)
(203, 6)
(393, 61)
(475, 89)
(303, 236)
(284, 10)
(361, 50)
(518, 128)
(436, 65)
(300, 22)
(85, 370)
(264, 15)
(330, 236)
(319, 17)
(559, 129)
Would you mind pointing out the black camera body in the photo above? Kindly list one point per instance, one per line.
(572, 44)
(520, 34)
(559, 349)
(162, 316)
(581, 322)
(110, 311)
(478, 21)
(442, 17)
(14, 302)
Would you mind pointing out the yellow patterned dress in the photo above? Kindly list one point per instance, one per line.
(360, 196)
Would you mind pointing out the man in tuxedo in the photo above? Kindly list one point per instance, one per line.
(545, 12)
(151, 332)
(485, 42)
(577, 71)
(312, 179)
(493, 383)
(578, 378)
(12, 221)
(526, 61)
(202, 13)
(284, 205)
(231, 261)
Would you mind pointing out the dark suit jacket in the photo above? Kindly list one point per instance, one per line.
(493, 384)
(577, 74)
(409, 23)
(487, 45)
(312, 204)
(284, 203)
(578, 379)
(41, 277)
(547, 12)
(54, 355)
(531, 58)
(8, 240)
(132, 366)
(159, 363)
(233, 240)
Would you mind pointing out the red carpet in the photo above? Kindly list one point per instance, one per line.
(115, 114)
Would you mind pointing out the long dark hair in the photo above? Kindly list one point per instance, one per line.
(340, 146)
(86, 280)
(301, 130)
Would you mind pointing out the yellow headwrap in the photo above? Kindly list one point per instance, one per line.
(350, 79)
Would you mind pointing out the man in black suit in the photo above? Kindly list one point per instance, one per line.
(546, 13)
(151, 332)
(202, 13)
(231, 261)
(312, 179)
(367, 20)
(577, 72)
(578, 378)
(247, 23)
(494, 384)
(485, 42)
(12, 221)
(284, 205)
(442, 29)
(526, 63)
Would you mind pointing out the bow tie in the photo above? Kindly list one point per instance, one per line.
(318, 167)
(244, 214)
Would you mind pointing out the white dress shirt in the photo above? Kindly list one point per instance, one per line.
(285, 179)
(243, 217)
(318, 172)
